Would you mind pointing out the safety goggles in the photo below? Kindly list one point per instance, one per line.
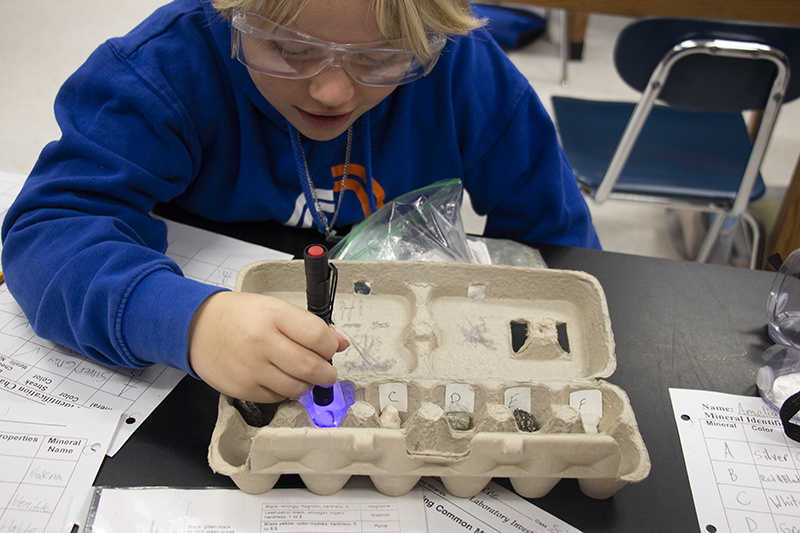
(272, 49)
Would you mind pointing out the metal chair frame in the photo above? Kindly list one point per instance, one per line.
(718, 47)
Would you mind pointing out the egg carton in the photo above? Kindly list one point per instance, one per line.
(496, 347)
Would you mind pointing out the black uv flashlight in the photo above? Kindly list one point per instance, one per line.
(320, 287)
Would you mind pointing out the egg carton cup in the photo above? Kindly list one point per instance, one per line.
(425, 328)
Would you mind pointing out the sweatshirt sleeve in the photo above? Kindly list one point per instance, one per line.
(81, 255)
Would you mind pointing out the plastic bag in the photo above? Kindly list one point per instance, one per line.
(422, 225)
(426, 225)
(504, 252)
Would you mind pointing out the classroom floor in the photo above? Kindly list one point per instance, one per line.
(42, 42)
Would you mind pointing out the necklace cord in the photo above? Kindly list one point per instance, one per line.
(308, 185)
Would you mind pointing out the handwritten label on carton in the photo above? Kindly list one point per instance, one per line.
(459, 397)
(394, 394)
(518, 398)
(590, 405)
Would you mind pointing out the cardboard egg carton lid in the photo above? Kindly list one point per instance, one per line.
(426, 326)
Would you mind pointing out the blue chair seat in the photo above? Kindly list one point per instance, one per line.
(695, 154)
(669, 158)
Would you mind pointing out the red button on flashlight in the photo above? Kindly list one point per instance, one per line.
(316, 251)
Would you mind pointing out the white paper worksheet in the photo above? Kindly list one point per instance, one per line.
(744, 472)
(40, 371)
(358, 508)
(493, 510)
(355, 509)
(48, 461)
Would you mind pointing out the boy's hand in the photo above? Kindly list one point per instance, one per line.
(259, 348)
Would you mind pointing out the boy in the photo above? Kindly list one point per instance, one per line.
(312, 113)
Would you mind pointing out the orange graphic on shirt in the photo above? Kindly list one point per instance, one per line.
(357, 185)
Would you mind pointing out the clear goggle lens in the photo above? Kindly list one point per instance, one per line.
(275, 50)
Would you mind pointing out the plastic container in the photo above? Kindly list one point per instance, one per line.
(779, 378)
(783, 304)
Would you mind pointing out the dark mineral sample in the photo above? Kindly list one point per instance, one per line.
(525, 421)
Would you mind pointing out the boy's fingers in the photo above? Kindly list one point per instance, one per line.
(282, 385)
(309, 331)
(343, 342)
(302, 363)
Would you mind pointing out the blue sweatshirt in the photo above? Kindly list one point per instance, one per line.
(165, 113)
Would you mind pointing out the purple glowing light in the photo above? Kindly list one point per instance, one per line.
(331, 415)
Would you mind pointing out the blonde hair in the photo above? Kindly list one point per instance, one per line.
(397, 19)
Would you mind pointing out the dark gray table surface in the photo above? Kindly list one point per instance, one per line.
(675, 323)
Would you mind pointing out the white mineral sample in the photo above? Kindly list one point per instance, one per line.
(390, 417)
